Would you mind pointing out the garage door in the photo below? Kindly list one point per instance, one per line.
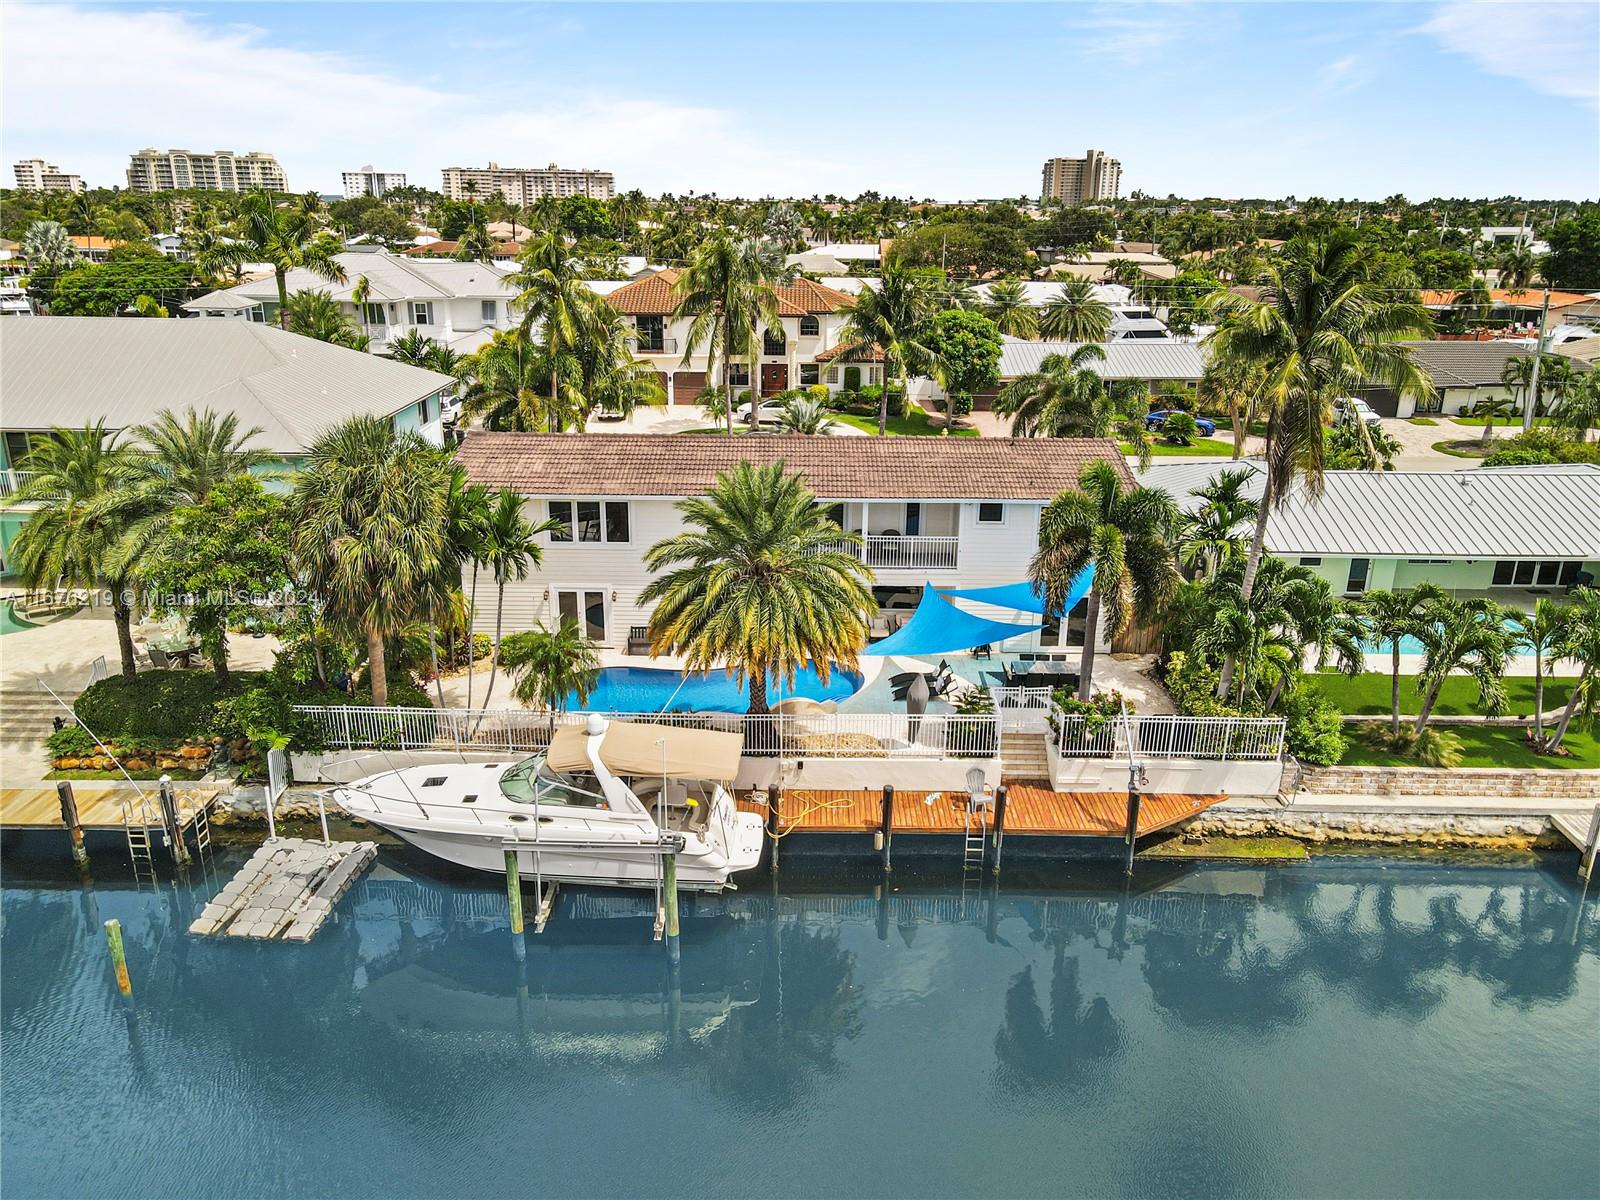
(686, 385)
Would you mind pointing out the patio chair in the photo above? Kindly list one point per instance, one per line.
(979, 793)
(983, 651)
(159, 659)
(638, 639)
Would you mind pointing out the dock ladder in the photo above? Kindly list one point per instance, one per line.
(139, 832)
(975, 835)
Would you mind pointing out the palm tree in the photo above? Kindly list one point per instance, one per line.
(214, 254)
(1492, 408)
(475, 244)
(1065, 397)
(1237, 385)
(288, 238)
(1008, 307)
(762, 581)
(1292, 610)
(416, 349)
(1580, 410)
(724, 294)
(82, 532)
(1541, 631)
(1581, 643)
(1320, 330)
(1075, 314)
(1123, 534)
(611, 379)
(509, 546)
(1463, 637)
(1472, 301)
(508, 385)
(1124, 271)
(48, 246)
(547, 666)
(316, 314)
(889, 319)
(554, 298)
(370, 533)
(187, 456)
(1216, 535)
(1389, 618)
(1517, 267)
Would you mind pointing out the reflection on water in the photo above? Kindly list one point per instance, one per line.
(1344, 1026)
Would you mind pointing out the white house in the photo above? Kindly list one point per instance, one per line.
(460, 304)
(1463, 373)
(1129, 318)
(946, 512)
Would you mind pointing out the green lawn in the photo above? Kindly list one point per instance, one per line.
(1368, 694)
(178, 773)
(916, 423)
(1460, 449)
(1200, 447)
(1422, 420)
(1514, 423)
(1490, 746)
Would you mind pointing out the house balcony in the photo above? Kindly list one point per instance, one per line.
(655, 345)
(11, 482)
(915, 553)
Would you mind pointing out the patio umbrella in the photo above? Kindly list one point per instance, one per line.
(916, 705)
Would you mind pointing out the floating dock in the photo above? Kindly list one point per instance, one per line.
(286, 891)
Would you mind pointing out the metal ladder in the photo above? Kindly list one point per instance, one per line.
(200, 821)
(974, 839)
(136, 827)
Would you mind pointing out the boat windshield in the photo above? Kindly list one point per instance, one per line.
(532, 781)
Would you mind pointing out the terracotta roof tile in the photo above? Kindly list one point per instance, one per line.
(654, 296)
(839, 467)
(875, 354)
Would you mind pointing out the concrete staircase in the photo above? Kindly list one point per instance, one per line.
(27, 713)
(1023, 756)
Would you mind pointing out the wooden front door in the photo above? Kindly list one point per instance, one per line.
(774, 378)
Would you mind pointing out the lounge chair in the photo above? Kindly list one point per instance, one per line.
(983, 651)
(159, 659)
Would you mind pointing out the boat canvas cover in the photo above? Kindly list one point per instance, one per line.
(639, 749)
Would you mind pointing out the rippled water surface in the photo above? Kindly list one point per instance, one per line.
(1345, 1027)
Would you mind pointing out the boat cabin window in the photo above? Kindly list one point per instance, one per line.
(532, 780)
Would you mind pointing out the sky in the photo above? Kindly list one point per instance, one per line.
(945, 101)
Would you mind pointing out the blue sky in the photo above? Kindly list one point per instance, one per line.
(952, 101)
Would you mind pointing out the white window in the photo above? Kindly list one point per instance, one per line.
(421, 312)
(586, 609)
(991, 512)
(372, 314)
(739, 374)
(490, 311)
(808, 374)
(595, 522)
(810, 327)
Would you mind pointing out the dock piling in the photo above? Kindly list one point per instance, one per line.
(1133, 820)
(999, 826)
(514, 891)
(169, 818)
(1591, 846)
(670, 897)
(69, 818)
(119, 956)
(887, 828)
(774, 800)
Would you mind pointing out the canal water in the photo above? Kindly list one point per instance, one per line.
(1341, 1027)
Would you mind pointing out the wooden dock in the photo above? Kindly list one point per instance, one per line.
(1583, 831)
(1032, 808)
(100, 805)
(286, 891)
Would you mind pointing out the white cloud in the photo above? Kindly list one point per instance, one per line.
(1135, 35)
(135, 79)
(1344, 74)
(1554, 48)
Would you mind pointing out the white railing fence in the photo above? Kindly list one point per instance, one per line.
(1022, 709)
(12, 482)
(1169, 737)
(834, 735)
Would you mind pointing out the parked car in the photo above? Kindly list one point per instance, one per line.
(1345, 405)
(771, 412)
(1156, 420)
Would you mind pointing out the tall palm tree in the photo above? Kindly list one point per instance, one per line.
(1580, 642)
(1542, 632)
(48, 246)
(724, 293)
(370, 532)
(890, 319)
(1390, 617)
(761, 308)
(1123, 534)
(187, 456)
(1076, 314)
(556, 302)
(1124, 271)
(509, 546)
(1216, 534)
(316, 314)
(1065, 397)
(1237, 385)
(82, 532)
(214, 253)
(1516, 268)
(1320, 329)
(1292, 611)
(1463, 637)
(1008, 307)
(761, 582)
(549, 665)
(612, 380)
(416, 349)
(1580, 409)
(288, 238)
(511, 384)
(475, 244)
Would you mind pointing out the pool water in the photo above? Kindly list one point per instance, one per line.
(1410, 645)
(1338, 1027)
(652, 689)
(9, 621)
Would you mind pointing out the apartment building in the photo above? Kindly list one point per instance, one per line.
(524, 185)
(1095, 176)
(368, 181)
(217, 171)
(36, 175)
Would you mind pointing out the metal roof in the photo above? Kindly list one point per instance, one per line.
(1505, 513)
(389, 277)
(69, 371)
(1134, 359)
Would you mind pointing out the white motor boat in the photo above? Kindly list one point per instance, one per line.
(601, 806)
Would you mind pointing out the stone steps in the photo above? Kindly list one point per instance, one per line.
(1024, 756)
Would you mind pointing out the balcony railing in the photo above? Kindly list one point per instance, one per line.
(655, 345)
(889, 551)
(11, 482)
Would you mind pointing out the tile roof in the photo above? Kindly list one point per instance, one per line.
(654, 296)
(1530, 297)
(447, 249)
(1466, 364)
(841, 468)
(875, 354)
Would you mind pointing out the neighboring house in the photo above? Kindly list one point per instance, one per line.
(503, 252)
(74, 371)
(1094, 264)
(1584, 350)
(92, 247)
(1524, 307)
(171, 245)
(1129, 318)
(1463, 373)
(810, 318)
(858, 255)
(950, 512)
(1512, 533)
(460, 304)
(1144, 361)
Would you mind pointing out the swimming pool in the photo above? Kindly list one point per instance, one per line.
(10, 622)
(1409, 644)
(654, 689)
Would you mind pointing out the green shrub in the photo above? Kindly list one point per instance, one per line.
(70, 740)
(157, 709)
(818, 392)
(1315, 727)
(1432, 748)
(1541, 444)
(1192, 683)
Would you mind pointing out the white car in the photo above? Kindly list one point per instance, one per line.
(1355, 404)
(770, 412)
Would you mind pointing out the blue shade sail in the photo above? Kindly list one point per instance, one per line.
(939, 626)
(1024, 596)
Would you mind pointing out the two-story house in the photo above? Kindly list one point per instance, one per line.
(461, 304)
(792, 355)
(945, 512)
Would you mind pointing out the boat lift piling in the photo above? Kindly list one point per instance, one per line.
(999, 828)
(119, 956)
(169, 817)
(670, 898)
(69, 818)
(514, 892)
(774, 803)
(886, 832)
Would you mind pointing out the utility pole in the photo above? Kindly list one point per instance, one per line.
(1538, 353)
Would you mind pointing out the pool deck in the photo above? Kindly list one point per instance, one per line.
(1031, 808)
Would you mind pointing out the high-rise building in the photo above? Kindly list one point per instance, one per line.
(219, 171)
(524, 185)
(370, 182)
(1082, 180)
(36, 175)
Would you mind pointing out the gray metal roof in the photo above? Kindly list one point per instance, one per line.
(1509, 513)
(1134, 359)
(74, 370)
(390, 277)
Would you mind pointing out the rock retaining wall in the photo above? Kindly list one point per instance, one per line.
(1578, 786)
(1399, 829)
